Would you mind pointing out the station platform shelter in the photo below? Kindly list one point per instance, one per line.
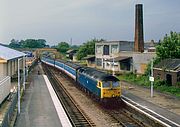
(12, 75)
(9, 61)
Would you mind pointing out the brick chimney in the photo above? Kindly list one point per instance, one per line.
(139, 36)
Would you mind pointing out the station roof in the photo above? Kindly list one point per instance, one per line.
(8, 53)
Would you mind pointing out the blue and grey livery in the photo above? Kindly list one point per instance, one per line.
(104, 86)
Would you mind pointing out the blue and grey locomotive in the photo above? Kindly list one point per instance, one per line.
(104, 86)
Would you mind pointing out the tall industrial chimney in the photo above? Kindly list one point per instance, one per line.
(139, 36)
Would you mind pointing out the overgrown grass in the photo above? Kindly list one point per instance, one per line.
(144, 81)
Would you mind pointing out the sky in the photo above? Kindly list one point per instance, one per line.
(82, 20)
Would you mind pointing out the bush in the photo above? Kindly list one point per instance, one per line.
(143, 80)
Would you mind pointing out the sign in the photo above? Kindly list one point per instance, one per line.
(151, 79)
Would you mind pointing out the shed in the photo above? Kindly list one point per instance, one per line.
(70, 53)
(168, 70)
(90, 60)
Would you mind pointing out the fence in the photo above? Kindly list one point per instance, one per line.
(5, 86)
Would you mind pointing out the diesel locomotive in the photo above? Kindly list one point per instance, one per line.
(103, 86)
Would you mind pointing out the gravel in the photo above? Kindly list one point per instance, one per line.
(88, 105)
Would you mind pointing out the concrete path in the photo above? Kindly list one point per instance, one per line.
(37, 109)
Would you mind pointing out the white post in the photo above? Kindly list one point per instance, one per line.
(102, 62)
(152, 80)
(18, 87)
(24, 74)
(113, 67)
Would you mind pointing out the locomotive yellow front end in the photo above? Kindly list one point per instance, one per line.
(110, 89)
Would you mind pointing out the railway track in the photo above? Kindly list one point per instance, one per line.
(121, 114)
(131, 114)
(150, 117)
(121, 117)
(76, 116)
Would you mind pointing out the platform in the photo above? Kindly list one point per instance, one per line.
(37, 107)
(153, 107)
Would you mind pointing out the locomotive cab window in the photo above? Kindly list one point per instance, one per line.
(106, 84)
(115, 84)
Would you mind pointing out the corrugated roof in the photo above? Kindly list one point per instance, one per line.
(8, 53)
(119, 58)
(169, 64)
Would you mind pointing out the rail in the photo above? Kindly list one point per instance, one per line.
(154, 118)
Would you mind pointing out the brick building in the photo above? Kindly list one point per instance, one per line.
(168, 70)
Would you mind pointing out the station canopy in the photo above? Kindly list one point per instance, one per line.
(9, 54)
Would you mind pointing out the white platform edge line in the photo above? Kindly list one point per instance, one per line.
(153, 112)
(60, 111)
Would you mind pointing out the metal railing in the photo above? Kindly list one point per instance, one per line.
(5, 87)
(10, 112)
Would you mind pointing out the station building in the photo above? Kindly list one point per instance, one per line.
(9, 69)
(120, 56)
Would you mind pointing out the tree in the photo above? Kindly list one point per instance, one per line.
(87, 48)
(75, 47)
(63, 47)
(28, 43)
(14, 44)
(32, 43)
(169, 47)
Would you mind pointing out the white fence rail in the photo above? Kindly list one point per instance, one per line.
(5, 87)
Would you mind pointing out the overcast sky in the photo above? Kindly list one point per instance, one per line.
(81, 20)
